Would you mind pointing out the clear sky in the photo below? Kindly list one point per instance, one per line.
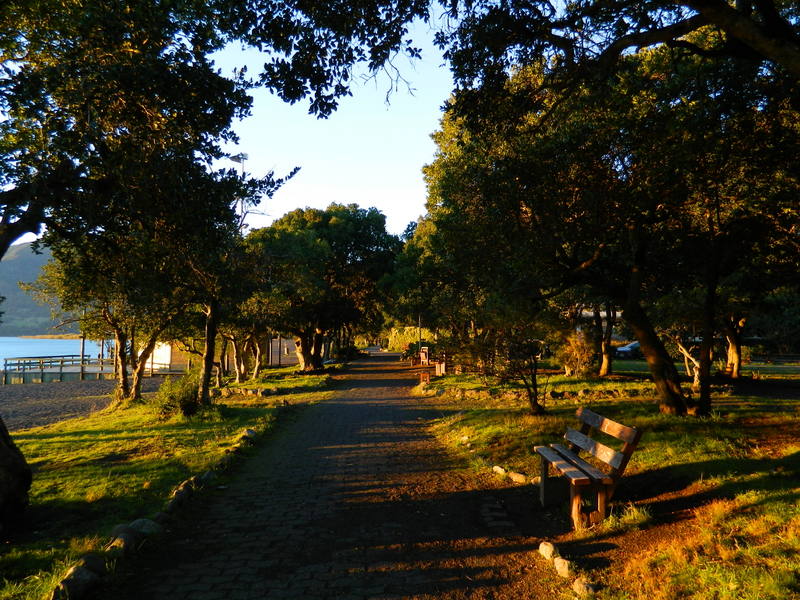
(368, 152)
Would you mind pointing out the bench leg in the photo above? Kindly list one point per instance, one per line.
(545, 470)
(576, 511)
(603, 493)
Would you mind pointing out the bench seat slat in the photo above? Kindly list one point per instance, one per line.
(622, 432)
(567, 469)
(595, 473)
(608, 455)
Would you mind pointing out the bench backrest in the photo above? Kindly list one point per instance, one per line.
(616, 459)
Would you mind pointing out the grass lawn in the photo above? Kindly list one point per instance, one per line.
(92, 473)
(708, 507)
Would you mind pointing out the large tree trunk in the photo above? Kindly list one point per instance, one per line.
(256, 346)
(707, 344)
(316, 350)
(665, 376)
(15, 481)
(121, 364)
(141, 367)
(303, 344)
(733, 327)
(603, 332)
(207, 366)
(308, 347)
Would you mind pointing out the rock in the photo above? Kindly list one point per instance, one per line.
(78, 581)
(583, 588)
(251, 433)
(517, 477)
(548, 550)
(146, 527)
(563, 567)
(536, 480)
(556, 395)
(439, 392)
(207, 477)
(499, 470)
(93, 562)
(125, 543)
(184, 490)
(584, 392)
(161, 517)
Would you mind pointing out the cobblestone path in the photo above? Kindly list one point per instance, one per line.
(353, 500)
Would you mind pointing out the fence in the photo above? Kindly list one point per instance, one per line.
(69, 367)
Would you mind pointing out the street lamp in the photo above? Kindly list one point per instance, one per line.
(240, 158)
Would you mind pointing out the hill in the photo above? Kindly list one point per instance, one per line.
(20, 314)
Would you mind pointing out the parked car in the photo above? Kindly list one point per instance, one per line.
(631, 350)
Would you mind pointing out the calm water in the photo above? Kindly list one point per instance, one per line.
(27, 347)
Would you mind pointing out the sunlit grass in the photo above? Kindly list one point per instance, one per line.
(115, 466)
(745, 457)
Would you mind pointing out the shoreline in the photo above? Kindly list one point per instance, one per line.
(50, 336)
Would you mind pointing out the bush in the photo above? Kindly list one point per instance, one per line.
(177, 395)
(576, 354)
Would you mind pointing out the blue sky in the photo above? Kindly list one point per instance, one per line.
(368, 152)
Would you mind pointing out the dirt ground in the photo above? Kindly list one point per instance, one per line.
(33, 404)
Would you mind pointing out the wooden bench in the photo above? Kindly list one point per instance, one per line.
(583, 477)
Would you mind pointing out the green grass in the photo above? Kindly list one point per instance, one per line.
(744, 459)
(115, 466)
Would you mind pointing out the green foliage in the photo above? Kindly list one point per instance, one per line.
(576, 354)
(319, 269)
(176, 396)
(399, 339)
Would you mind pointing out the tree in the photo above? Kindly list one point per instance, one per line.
(619, 189)
(321, 270)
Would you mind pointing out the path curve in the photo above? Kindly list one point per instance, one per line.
(354, 500)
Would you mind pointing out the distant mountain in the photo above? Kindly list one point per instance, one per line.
(21, 315)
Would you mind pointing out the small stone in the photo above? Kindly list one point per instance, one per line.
(78, 581)
(439, 392)
(207, 477)
(517, 477)
(251, 433)
(93, 562)
(499, 470)
(548, 550)
(161, 517)
(563, 567)
(536, 480)
(125, 543)
(174, 504)
(583, 588)
(146, 527)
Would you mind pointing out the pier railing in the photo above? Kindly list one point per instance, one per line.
(67, 367)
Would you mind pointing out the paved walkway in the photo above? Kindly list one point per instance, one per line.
(354, 500)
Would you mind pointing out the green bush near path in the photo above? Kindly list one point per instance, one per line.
(114, 466)
(740, 467)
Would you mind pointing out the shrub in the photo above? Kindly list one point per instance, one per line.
(177, 395)
(576, 354)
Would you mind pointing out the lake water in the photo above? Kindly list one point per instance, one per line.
(15, 347)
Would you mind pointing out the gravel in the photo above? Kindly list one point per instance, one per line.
(25, 405)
